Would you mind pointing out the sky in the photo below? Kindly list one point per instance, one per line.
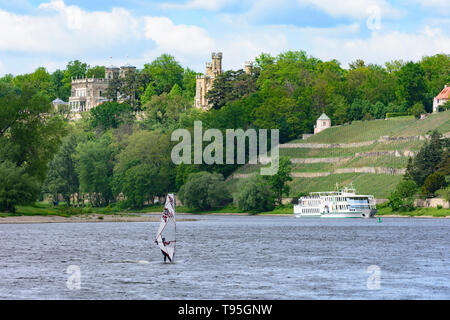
(50, 33)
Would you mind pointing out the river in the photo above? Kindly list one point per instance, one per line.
(229, 257)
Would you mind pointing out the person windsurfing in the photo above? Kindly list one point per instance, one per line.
(166, 256)
(166, 235)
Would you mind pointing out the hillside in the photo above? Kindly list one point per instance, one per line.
(370, 154)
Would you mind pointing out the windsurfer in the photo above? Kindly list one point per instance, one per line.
(166, 256)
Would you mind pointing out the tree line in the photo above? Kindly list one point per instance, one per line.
(111, 157)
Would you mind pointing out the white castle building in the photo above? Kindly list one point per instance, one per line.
(87, 93)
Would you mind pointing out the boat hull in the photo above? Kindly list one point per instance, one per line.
(364, 214)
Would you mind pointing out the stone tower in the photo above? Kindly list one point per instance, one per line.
(205, 82)
(248, 67)
(124, 70)
(112, 72)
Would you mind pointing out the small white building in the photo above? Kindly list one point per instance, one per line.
(441, 98)
(59, 104)
(322, 123)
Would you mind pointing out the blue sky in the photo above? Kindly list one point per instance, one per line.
(50, 33)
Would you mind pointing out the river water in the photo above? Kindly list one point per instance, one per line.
(229, 257)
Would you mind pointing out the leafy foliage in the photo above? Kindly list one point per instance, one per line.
(433, 182)
(16, 187)
(110, 115)
(402, 199)
(278, 181)
(203, 191)
(254, 195)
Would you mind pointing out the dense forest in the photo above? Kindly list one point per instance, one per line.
(112, 157)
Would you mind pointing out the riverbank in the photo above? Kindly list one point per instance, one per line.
(46, 213)
(92, 218)
(384, 211)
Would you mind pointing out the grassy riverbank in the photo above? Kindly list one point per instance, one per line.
(48, 212)
(43, 209)
(418, 212)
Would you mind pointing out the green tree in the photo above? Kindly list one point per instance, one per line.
(97, 72)
(95, 163)
(110, 115)
(176, 91)
(229, 86)
(164, 111)
(62, 177)
(254, 195)
(426, 160)
(165, 72)
(183, 172)
(189, 83)
(203, 191)
(278, 181)
(16, 187)
(417, 109)
(433, 182)
(411, 78)
(148, 94)
(144, 169)
(29, 136)
(402, 199)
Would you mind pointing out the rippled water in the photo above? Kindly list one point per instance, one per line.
(230, 257)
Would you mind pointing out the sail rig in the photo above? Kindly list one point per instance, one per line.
(165, 238)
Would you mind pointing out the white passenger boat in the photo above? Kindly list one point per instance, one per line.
(344, 203)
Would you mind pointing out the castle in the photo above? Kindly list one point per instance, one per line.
(205, 82)
(87, 93)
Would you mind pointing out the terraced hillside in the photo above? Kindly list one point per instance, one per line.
(370, 154)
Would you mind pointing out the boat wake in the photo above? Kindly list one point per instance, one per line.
(129, 261)
(147, 262)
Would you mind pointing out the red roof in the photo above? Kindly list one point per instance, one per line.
(444, 94)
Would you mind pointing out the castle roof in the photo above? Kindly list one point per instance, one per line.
(444, 94)
(127, 66)
(58, 101)
(323, 117)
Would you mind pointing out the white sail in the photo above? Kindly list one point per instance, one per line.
(165, 238)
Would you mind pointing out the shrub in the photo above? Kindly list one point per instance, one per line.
(203, 191)
(396, 114)
(71, 211)
(444, 106)
(433, 182)
(16, 187)
(402, 199)
(254, 195)
(417, 109)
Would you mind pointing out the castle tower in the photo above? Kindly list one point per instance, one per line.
(124, 70)
(205, 82)
(111, 72)
(216, 59)
(248, 67)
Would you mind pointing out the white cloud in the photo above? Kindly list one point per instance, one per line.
(58, 33)
(62, 29)
(358, 9)
(67, 30)
(382, 47)
(181, 38)
(210, 5)
(436, 4)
